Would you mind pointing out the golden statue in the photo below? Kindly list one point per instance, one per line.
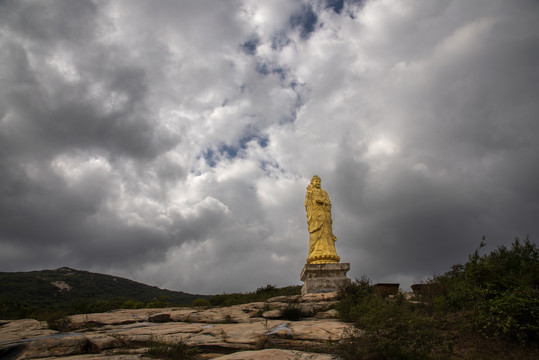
(321, 238)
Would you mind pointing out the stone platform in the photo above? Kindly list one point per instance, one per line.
(321, 278)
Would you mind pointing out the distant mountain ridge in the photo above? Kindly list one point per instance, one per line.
(65, 288)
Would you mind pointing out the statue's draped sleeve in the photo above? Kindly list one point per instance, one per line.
(316, 211)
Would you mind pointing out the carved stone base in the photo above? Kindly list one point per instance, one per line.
(321, 278)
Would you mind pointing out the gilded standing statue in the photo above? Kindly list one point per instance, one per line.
(321, 238)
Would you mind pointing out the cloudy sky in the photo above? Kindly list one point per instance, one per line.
(171, 142)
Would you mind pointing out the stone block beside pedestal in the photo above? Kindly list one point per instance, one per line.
(321, 278)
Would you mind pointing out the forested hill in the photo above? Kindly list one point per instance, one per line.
(76, 290)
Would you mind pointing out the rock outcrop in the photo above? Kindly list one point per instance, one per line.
(249, 331)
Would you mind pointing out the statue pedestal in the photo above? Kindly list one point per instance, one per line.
(321, 278)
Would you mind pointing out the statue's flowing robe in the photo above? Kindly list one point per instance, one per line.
(321, 238)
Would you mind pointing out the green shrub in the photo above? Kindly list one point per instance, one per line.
(293, 313)
(201, 302)
(261, 294)
(387, 328)
(268, 289)
(487, 308)
(158, 348)
(512, 314)
(131, 304)
(351, 296)
(56, 319)
(158, 304)
(500, 288)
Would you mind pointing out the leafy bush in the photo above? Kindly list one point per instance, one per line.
(261, 294)
(512, 314)
(487, 308)
(132, 304)
(161, 349)
(268, 289)
(351, 296)
(161, 302)
(201, 302)
(387, 328)
(56, 320)
(500, 288)
(293, 313)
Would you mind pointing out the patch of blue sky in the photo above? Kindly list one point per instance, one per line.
(210, 157)
(213, 157)
(279, 41)
(351, 13)
(249, 47)
(305, 20)
(265, 69)
(262, 140)
(270, 168)
(335, 5)
(230, 151)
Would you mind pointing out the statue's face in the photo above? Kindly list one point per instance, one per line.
(316, 183)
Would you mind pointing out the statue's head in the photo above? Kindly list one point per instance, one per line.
(315, 181)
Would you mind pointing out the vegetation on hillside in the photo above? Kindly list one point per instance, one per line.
(487, 308)
(261, 294)
(50, 294)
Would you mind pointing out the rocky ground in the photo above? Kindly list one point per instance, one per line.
(249, 331)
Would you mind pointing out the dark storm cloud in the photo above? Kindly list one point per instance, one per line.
(103, 113)
(56, 22)
(104, 107)
(465, 155)
(173, 143)
(69, 116)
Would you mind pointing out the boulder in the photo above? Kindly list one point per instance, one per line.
(71, 344)
(181, 315)
(23, 329)
(284, 299)
(330, 314)
(114, 317)
(101, 342)
(159, 318)
(272, 314)
(329, 296)
(318, 330)
(99, 357)
(275, 354)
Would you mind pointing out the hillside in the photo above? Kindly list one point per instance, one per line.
(70, 290)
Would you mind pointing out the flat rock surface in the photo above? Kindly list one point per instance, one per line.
(23, 329)
(240, 330)
(267, 354)
(98, 357)
(276, 354)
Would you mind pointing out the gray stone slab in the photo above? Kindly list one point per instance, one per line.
(322, 278)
